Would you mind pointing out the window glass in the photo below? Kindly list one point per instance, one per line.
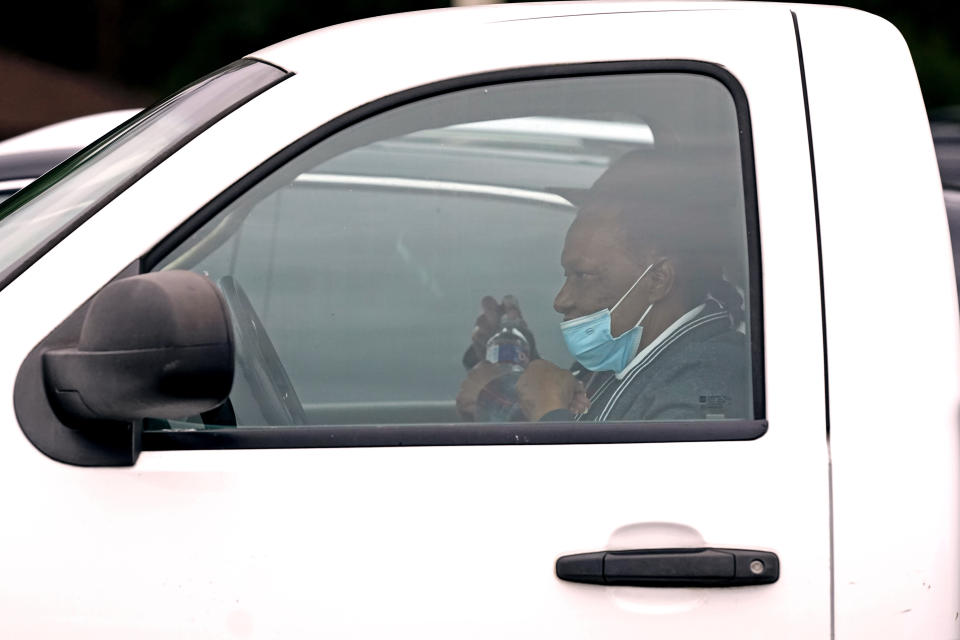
(452, 260)
(6, 193)
(35, 216)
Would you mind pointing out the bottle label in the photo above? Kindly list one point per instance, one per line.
(506, 353)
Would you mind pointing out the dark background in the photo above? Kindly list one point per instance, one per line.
(134, 52)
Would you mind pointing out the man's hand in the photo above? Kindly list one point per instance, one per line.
(488, 323)
(470, 388)
(545, 387)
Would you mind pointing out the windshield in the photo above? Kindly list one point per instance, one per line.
(36, 218)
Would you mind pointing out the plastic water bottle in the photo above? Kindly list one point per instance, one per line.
(509, 349)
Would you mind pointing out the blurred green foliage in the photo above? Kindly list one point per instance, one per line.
(162, 44)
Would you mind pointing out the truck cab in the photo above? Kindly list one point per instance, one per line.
(234, 335)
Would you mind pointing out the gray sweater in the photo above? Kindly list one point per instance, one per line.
(699, 372)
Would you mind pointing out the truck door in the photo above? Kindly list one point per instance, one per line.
(660, 158)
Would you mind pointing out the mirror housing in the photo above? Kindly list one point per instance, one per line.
(157, 345)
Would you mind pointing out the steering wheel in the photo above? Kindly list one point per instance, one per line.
(258, 359)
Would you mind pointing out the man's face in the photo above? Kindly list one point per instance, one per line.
(598, 270)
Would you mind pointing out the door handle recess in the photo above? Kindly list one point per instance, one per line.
(704, 567)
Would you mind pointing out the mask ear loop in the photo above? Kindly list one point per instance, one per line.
(640, 321)
(634, 285)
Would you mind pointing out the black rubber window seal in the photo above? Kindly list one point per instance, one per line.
(456, 434)
(823, 307)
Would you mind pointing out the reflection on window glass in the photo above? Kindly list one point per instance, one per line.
(558, 250)
(84, 183)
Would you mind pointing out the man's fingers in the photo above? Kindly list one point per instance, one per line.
(491, 310)
(544, 387)
(511, 308)
(483, 329)
(490, 319)
(581, 401)
(480, 376)
(467, 400)
(485, 325)
(486, 371)
(466, 406)
(470, 388)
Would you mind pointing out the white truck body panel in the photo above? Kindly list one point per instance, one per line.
(291, 542)
(891, 332)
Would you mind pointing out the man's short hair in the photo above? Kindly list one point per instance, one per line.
(683, 205)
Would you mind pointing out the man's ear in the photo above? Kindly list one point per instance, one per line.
(663, 277)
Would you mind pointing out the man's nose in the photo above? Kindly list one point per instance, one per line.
(563, 303)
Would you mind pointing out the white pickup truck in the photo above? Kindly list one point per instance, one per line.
(233, 333)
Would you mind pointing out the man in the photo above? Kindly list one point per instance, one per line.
(647, 313)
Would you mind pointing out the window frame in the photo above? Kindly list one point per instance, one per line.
(460, 434)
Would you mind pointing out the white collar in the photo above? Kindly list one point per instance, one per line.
(682, 320)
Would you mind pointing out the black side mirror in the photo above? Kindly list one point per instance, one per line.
(155, 345)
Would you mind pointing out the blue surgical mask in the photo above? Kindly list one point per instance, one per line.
(590, 338)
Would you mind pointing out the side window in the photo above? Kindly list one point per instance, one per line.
(567, 249)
